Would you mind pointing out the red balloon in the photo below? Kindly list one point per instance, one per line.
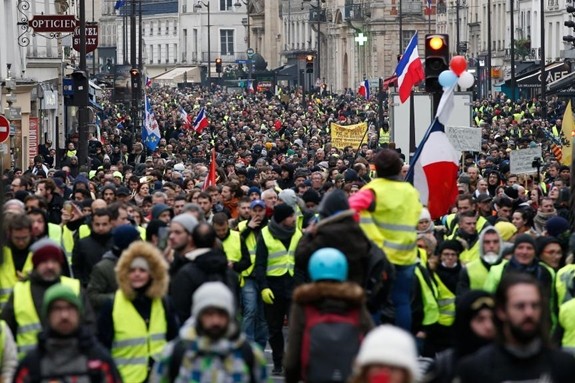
(458, 64)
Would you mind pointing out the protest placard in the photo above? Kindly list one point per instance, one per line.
(464, 139)
(522, 159)
(348, 135)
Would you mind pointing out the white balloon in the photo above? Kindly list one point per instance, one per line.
(466, 80)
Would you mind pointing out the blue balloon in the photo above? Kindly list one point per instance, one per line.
(447, 78)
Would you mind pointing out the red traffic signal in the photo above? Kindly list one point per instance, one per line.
(309, 64)
(219, 65)
(134, 72)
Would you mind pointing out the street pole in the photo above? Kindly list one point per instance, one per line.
(93, 52)
(83, 108)
(512, 50)
(457, 36)
(488, 58)
(134, 63)
(140, 39)
(400, 29)
(209, 45)
(542, 63)
(318, 15)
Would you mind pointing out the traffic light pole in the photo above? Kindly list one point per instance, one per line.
(134, 62)
(83, 93)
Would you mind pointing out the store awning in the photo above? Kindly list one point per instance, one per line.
(290, 70)
(176, 75)
(565, 86)
(553, 72)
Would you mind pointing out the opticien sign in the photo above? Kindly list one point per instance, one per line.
(53, 23)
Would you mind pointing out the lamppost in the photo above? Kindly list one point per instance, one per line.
(40, 95)
(238, 4)
(199, 5)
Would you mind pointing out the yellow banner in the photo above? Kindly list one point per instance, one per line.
(349, 135)
(567, 128)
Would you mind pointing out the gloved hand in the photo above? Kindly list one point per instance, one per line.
(268, 296)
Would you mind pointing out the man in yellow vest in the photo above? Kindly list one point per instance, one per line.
(274, 271)
(21, 313)
(16, 257)
(139, 321)
(238, 260)
(253, 318)
(468, 235)
(389, 210)
(67, 349)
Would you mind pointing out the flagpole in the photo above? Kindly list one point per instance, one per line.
(359, 146)
(411, 124)
(429, 16)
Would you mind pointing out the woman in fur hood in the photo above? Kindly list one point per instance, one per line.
(140, 319)
(330, 313)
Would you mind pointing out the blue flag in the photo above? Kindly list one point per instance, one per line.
(151, 132)
(119, 4)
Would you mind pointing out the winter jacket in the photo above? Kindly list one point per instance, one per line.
(203, 265)
(103, 284)
(38, 288)
(87, 253)
(326, 296)
(9, 360)
(79, 358)
(495, 363)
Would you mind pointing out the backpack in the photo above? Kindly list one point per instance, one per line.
(330, 343)
(245, 352)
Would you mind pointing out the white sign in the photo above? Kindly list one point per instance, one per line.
(464, 139)
(521, 160)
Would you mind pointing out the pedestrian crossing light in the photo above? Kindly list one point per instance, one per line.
(309, 64)
(436, 60)
(218, 65)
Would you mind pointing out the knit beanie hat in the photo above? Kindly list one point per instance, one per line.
(59, 292)
(556, 226)
(311, 196)
(332, 203)
(188, 221)
(425, 214)
(213, 295)
(46, 249)
(524, 238)
(289, 197)
(255, 189)
(159, 209)
(506, 230)
(123, 236)
(542, 243)
(451, 244)
(392, 346)
(281, 212)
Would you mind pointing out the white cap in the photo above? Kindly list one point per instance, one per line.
(214, 295)
(392, 346)
(424, 214)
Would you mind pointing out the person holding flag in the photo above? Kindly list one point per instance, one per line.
(151, 131)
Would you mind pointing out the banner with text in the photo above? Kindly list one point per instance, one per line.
(33, 139)
(348, 135)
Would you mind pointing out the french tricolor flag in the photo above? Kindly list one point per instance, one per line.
(201, 121)
(435, 164)
(363, 89)
(409, 70)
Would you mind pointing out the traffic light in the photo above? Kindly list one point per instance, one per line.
(309, 64)
(219, 65)
(135, 76)
(109, 65)
(80, 88)
(436, 60)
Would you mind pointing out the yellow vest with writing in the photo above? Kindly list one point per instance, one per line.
(392, 225)
(134, 341)
(29, 324)
(8, 274)
(280, 259)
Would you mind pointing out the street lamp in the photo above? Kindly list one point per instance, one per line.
(199, 5)
(238, 4)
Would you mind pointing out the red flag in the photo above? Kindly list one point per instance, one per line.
(211, 177)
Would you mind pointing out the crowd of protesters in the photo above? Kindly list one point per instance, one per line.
(140, 261)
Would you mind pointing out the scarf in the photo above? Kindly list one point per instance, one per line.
(532, 268)
(280, 232)
(541, 218)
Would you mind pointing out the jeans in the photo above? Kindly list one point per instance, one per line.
(401, 295)
(253, 318)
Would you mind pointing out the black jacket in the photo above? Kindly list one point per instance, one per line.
(87, 253)
(495, 364)
(202, 265)
(93, 361)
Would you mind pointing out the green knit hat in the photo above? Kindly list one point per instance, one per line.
(60, 292)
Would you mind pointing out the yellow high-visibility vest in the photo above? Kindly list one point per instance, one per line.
(233, 247)
(429, 297)
(280, 259)
(134, 341)
(9, 275)
(446, 303)
(477, 273)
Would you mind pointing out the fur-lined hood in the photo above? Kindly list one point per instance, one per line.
(158, 270)
(348, 292)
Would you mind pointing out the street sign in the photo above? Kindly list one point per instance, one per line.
(4, 129)
(91, 38)
(251, 52)
(53, 23)
(244, 62)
